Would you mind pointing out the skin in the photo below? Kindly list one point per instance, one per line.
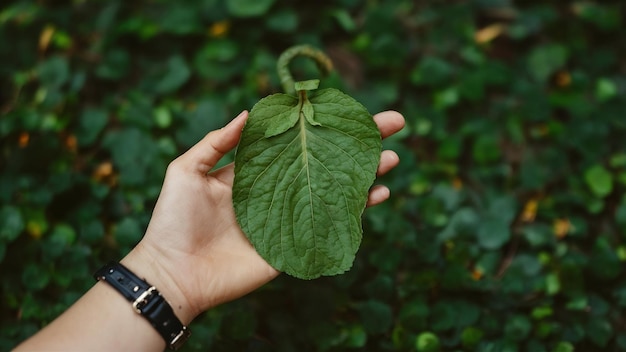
(193, 252)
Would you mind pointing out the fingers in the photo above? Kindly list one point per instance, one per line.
(388, 160)
(377, 195)
(389, 122)
(206, 153)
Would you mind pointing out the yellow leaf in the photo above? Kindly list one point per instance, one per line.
(34, 229)
(23, 139)
(477, 274)
(71, 143)
(457, 183)
(45, 36)
(104, 170)
(489, 33)
(530, 210)
(563, 79)
(219, 29)
(561, 227)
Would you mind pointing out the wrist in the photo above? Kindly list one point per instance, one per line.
(152, 269)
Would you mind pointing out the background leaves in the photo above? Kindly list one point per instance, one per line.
(506, 229)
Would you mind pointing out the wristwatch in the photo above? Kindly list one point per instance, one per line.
(147, 302)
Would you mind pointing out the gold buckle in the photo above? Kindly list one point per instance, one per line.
(180, 339)
(142, 300)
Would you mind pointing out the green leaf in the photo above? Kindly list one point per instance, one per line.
(12, 223)
(173, 75)
(599, 331)
(115, 65)
(133, 153)
(35, 277)
(452, 313)
(604, 16)
(462, 221)
(599, 180)
(127, 232)
(356, 337)
(92, 231)
(215, 60)
(517, 328)
(605, 89)
(162, 117)
(486, 149)
(207, 116)
(537, 234)
(376, 316)
(446, 98)
(283, 20)
(61, 237)
(494, 230)
(181, 20)
(54, 72)
(553, 284)
(431, 71)
(541, 312)
(578, 302)
(414, 314)
(248, 8)
(63, 234)
(547, 59)
(91, 123)
(471, 336)
(380, 287)
(427, 342)
(344, 19)
(563, 347)
(493, 233)
(301, 182)
(603, 261)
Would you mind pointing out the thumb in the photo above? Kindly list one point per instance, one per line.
(207, 152)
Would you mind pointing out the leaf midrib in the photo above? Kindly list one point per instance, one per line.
(305, 161)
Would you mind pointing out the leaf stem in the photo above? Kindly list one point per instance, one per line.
(286, 78)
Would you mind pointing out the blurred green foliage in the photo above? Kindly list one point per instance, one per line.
(507, 226)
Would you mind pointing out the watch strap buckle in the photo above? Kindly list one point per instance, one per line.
(142, 300)
(180, 339)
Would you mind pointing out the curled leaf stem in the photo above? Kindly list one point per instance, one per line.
(323, 62)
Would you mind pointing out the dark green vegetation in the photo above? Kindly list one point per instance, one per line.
(506, 230)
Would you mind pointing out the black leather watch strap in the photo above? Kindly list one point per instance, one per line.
(147, 302)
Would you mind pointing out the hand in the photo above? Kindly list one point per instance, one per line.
(194, 251)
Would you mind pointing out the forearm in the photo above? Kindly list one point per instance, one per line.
(103, 319)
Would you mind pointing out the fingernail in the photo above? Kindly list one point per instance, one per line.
(241, 114)
(237, 118)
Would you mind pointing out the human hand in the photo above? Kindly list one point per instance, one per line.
(194, 251)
